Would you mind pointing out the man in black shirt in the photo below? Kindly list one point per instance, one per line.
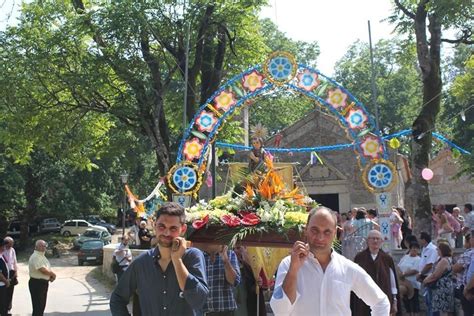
(169, 279)
(144, 236)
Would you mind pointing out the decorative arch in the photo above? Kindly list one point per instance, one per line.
(281, 71)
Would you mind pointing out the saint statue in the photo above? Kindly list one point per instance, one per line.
(257, 155)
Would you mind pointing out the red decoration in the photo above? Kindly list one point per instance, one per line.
(250, 219)
(230, 220)
(278, 138)
(200, 223)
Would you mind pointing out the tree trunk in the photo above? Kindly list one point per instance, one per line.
(32, 191)
(424, 124)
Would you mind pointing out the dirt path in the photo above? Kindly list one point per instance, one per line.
(76, 290)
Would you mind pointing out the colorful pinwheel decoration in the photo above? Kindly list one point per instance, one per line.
(185, 178)
(308, 80)
(206, 121)
(253, 81)
(337, 98)
(280, 67)
(192, 149)
(371, 147)
(225, 100)
(356, 119)
(379, 175)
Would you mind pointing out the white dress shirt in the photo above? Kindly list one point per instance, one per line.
(10, 258)
(322, 293)
(429, 254)
(121, 253)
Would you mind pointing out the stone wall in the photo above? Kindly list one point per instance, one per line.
(445, 188)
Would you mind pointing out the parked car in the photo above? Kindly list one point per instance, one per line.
(93, 233)
(14, 227)
(100, 222)
(91, 251)
(50, 225)
(76, 227)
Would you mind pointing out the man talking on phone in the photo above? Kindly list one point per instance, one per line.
(169, 279)
(315, 280)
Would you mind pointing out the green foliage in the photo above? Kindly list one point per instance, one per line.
(463, 91)
(397, 81)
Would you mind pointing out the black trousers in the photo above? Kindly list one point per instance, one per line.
(3, 301)
(10, 290)
(39, 293)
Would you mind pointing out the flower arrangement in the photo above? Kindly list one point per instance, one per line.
(261, 205)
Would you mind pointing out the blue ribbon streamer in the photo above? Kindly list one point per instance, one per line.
(339, 146)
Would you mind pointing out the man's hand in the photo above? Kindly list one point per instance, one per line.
(7, 283)
(394, 309)
(299, 253)
(223, 254)
(52, 277)
(178, 248)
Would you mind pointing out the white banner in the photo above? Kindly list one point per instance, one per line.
(384, 202)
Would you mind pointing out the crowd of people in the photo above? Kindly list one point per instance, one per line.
(314, 279)
(173, 278)
(40, 273)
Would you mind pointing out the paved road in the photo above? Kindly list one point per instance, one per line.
(75, 291)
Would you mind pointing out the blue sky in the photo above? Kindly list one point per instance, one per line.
(334, 24)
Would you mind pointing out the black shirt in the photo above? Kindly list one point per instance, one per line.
(158, 291)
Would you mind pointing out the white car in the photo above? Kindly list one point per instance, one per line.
(77, 227)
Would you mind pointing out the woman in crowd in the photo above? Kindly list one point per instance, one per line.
(409, 265)
(445, 232)
(406, 227)
(441, 282)
(363, 225)
(396, 222)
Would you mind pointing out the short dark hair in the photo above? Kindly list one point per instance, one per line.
(317, 209)
(468, 206)
(414, 244)
(410, 239)
(445, 249)
(425, 236)
(372, 212)
(172, 209)
(360, 214)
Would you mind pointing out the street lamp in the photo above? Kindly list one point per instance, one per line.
(124, 178)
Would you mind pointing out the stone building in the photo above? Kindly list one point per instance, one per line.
(337, 182)
(445, 187)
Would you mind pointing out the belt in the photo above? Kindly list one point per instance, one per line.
(40, 280)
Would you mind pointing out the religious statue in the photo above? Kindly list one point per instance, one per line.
(257, 155)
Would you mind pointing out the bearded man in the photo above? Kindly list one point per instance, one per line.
(169, 279)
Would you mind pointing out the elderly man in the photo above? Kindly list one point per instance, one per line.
(4, 282)
(40, 276)
(9, 255)
(315, 280)
(380, 266)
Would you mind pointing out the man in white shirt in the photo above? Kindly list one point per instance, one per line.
(468, 218)
(315, 280)
(123, 255)
(429, 255)
(9, 255)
